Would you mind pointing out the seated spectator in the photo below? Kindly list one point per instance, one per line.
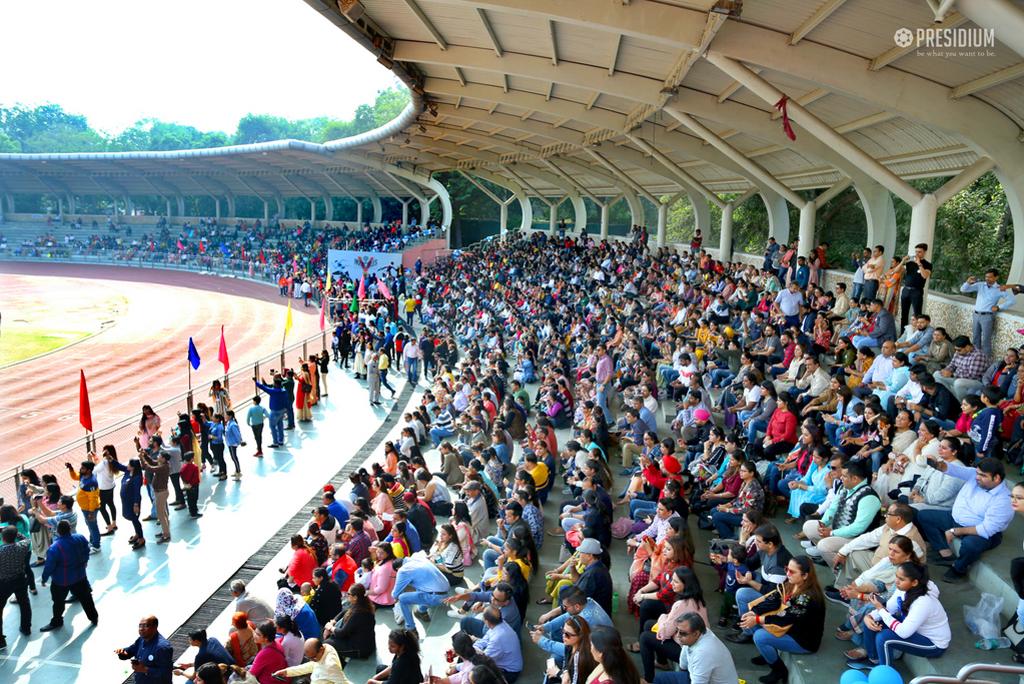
(848, 516)
(703, 659)
(980, 514)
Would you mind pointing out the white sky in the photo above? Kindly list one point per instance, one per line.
(204, 63)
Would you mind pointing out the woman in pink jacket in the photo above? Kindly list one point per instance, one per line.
(382, 578)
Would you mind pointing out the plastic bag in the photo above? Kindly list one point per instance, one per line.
(985, 618)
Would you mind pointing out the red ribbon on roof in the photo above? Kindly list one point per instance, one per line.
(781, 106)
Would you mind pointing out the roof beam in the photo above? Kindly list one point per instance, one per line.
(890, 56)
(668, 164)
(526, 185)
(621, 175)
(865, 122)
(441, 42)
(554, 43)
(731, 89)
(593, 99)
(551, 88)
(990, 81)
(569, 179)
(749, 166)
(490, 31)
(819, 129)
(812, 22)
(615, 54)
(460, 75)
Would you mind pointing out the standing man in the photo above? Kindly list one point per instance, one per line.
(159, 473)
(986, 306)
(605, 373)
(65, 564)
(787, 303)
(152, 657)
(14, 557)
(411, 353)
(916, 270)
(278, 409)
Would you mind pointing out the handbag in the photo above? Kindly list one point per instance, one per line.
(774, 630)
(1014, 631)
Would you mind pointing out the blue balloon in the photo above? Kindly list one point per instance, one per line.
(883, 674)
(854, 677)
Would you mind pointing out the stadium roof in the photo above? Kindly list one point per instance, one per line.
(639, 98)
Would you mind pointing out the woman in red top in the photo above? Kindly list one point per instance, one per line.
(781, 437)
(300, 567)
(656, 597)
(271, 658)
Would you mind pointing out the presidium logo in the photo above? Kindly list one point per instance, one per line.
(948, 42)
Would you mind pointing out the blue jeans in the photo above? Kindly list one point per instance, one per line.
(490, 555)
(277, 426)
(934, 524)
(638, 508)
(755, 427)
(831, 430)
(726, 524)
(438, 433)
(291, 414)
(680, 677)
(602, 401)
(744, 596)
(417, 598)
(94, 528)
(886, 641)
(721, 377)
(769, 646)
(412, 369)
(860, 341)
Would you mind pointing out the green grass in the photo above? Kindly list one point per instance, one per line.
(16, 345)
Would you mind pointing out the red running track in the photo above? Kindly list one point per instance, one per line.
(142, 359)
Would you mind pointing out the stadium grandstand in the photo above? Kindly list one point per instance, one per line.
(782, 464)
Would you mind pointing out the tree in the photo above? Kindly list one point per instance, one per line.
(8, 146)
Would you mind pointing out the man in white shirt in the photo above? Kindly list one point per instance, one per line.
(704, 659)
(323, 666)
(813, 383)
(863, 552)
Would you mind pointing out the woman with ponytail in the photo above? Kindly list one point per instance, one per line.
(912, 621)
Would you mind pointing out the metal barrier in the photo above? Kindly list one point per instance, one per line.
(964, 675)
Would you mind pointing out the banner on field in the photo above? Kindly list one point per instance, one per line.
(359, 264)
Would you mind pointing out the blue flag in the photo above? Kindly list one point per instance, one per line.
(224, 249)
(193, 355)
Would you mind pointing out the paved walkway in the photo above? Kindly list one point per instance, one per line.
(172, 581)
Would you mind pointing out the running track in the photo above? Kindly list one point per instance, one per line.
(142, 359)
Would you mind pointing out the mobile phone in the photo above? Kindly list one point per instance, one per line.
(550, 663)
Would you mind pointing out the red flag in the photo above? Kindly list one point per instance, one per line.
(781, 106)
(382, 286)
(202, 247)
(84, 412)
(362, 287)
(323, 311)
(262, 258)
(447, 289)
(222, 355)
(180, 246)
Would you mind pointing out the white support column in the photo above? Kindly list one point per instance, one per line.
(60, 206)
(1004, 17)
(216, 204)
(503, 223)
(605, 214)
(71, 204)
(778, 215)
(552, 220)
(701, 213)
(168, 209)
(662, 225)
(725, 240)
(922, 221)
(266, 211)
(405, 213)
(359, 212)
(312, 210)
(807, 215)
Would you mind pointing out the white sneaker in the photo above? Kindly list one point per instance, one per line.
(94, 549)
(455, 614)
(807, 544)
(813, 552)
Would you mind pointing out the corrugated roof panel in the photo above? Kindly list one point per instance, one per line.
(1010, 95)
(950, 163)
(397, 20)
(645, 58)
(867, 27)
(520, 34)
(706, 78)
(836, 110)
(955, 70)
(780, 15)
(899, 136)
(700, 5)
(612, 103)
(788, 161)
(458, 24)
(581, 44)
(529, 85)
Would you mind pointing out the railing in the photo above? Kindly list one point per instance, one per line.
(964, 675)
(122, 433)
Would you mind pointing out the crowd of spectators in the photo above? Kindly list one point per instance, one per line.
(727, 394)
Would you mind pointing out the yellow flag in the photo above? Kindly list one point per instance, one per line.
(288, 321)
